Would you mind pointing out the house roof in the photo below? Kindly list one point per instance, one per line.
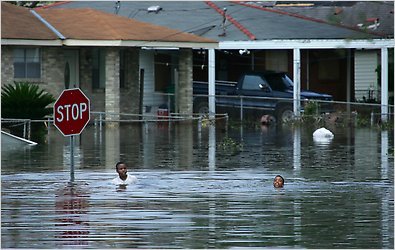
(277, 25)
(355, 14)
(20, 23)
(243, 23)
(97, 25)
(92, 27)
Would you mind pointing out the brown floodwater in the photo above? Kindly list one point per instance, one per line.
(201, 187)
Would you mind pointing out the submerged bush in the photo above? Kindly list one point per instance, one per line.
(311, 114)
(24, 100)
(230, 146)
(311, 108)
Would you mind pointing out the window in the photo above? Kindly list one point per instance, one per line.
(98, 68)
(251, 82)
(27, 63)
(279, 82)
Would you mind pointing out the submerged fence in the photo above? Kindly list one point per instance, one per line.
(23, 127)
(241, 106)
(365, 113)
(23, 124)
(100, 118)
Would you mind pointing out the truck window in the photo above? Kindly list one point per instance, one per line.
(251, 82)
(278, 82)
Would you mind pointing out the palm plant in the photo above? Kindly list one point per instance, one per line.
(24, 100)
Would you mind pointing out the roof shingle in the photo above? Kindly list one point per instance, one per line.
(20, 23)
(86, 24)
(97, 25)
(197, 17)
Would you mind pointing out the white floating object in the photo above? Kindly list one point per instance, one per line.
(323, 133)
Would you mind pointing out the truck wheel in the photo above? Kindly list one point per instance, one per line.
(202, 108)
(285, 114)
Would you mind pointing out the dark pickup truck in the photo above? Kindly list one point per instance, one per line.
(268, 91)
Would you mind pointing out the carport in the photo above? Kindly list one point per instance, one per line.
(310, 44)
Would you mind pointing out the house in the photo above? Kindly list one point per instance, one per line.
(319, 54)
(105, 55)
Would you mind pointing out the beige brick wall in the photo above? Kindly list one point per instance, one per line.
(52, 69)
(112, 92)
(185, 81)
(7, 66)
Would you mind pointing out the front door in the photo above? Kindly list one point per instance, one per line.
(71, 72)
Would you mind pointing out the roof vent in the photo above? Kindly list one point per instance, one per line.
(223, 22)
(155, 8)
(117, 7)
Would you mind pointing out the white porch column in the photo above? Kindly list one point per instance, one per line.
(296, 80)
(384, 84)
(348, 81)
(211, 82)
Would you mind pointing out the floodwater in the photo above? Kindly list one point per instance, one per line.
(194, 193)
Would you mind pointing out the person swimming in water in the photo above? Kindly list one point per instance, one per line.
(278, 181)
(123, 178)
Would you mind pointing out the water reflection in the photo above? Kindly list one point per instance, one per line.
(385, 204)
(71, 207)
(112, 146)
(384, 155)
(296, 150)
(211, 147)
(184, 146)
(297, 220)
(192, 195)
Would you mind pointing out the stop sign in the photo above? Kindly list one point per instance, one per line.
(71, 112)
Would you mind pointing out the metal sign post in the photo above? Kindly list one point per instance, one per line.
(72, 158)
(71, 114)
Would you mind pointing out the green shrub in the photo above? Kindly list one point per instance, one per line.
(24, 100)
(363, 121)
(311, 114)
(311, 108)
(230, 146)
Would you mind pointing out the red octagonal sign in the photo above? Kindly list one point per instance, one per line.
(71, 112)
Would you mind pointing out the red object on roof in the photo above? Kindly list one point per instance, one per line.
(372, 19)
(232, 20)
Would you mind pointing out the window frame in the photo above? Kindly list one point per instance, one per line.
(27, 72)
(251, 80)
